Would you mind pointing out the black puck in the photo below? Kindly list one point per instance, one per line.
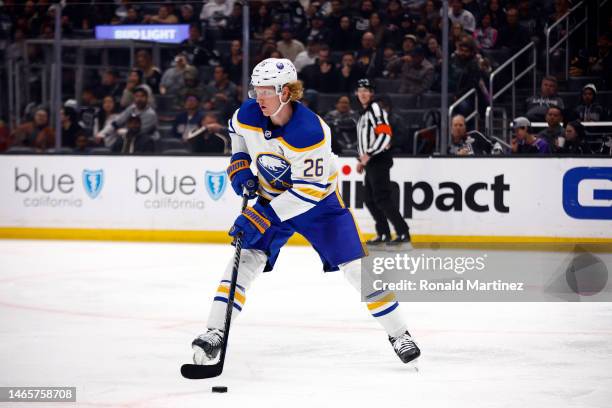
(219, 389)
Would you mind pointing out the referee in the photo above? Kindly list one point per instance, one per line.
(374, 141)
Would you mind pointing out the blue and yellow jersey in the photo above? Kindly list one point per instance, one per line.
(295, 164)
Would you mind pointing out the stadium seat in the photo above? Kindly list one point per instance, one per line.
(100, 150)
(20, 150)
(169, 143)
(403, 101)
(327, 102)
(385, 85)
(177, 152)
(61, 150)
(576, 83)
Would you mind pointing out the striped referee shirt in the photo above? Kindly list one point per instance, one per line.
(373, 131)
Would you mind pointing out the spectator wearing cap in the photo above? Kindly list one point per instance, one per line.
(457, 14)
(409, 43)
(309, 55)
(140, 108)
(460, 144)
(343, 36)
(554, 130)
(373, 142)
(173, 79)
(151, 75)
(485, 35)
(415, 72)
(537, 106)
(211, 138)
(288, 46)
(589, 110)
(322, 75)
(135, 139)
(524, 142)
(189, 120)
(574, 142)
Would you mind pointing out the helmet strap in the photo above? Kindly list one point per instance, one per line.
(282, 104)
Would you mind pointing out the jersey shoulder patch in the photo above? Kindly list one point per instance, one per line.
(250, 116)
(305, 131)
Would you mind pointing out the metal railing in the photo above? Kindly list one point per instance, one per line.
(493, 96)
(566, 36)
(489, 122)
(419, 132)
(472, 115)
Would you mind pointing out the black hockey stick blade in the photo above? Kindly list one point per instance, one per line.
(199, 372)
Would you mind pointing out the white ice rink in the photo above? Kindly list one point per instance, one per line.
(116, 321)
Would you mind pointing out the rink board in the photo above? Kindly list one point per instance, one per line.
(190, 199)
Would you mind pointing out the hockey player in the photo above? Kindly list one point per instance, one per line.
(295, 187)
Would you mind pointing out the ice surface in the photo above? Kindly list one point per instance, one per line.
(116, 321)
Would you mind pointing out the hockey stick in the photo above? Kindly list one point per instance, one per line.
(196, 371)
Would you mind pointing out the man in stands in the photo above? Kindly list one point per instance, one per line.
(524, 142)
(537, 106)
(460, 144)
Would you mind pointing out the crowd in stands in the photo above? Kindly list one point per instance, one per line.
(332, 43)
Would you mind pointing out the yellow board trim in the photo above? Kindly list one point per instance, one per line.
(237, 296)
(303, 149)
(375, 305)
(221, 237)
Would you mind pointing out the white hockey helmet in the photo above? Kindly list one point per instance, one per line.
(274, 72)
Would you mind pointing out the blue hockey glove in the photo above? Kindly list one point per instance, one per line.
(253, 223)
(242, 178)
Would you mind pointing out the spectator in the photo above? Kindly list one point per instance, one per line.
(343, 36)
(394, 15)
(343, 123)
(71, 130)
(485, 36)
(222, 94)
(554, 130)
(381, 35)
(187, 15)
(173, 79)
(216, 12)
(369, 59)
(104, 117)
(135, 79)
(140, 108)
(110, 85)
(524, 142)
(409, 43)
(199, 52)
(288, 46)
(132, 16)
(233, 63)
(589, 110)
(151, 75)
(163, 16)
(336, 13)
(36, 134)
(213, 139)
(433, 52)
(5, 136)
(498, 19)
(233, 28)
(457, 14)
(135, 139)
(473, 6)
(460, 144)
(575, 140)
(193, 86)
(349, 73)
(537, 106)
(261, 21)
(318, 28)
(290, 13)
(527, 20)
(309, 55)
(188, 120)
(464, 71)
(362, 19)
(513, 36)
(322, 75)
(415, 72)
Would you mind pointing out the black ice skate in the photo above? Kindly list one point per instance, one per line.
(405, 347)
(379, 240)
(401, 239)
(207, 346)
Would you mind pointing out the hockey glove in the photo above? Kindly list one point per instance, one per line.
(253, 223)
(242, 178)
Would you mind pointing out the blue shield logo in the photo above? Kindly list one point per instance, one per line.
(587, 193)
(216, 182)
(93, 181)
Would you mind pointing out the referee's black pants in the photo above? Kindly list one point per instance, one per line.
(379, 200)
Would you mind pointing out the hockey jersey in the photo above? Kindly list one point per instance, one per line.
(295, 165)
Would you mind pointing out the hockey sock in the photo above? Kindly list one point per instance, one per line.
(382, 304)
(252, 264)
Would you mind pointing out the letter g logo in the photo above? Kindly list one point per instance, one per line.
(587, 193)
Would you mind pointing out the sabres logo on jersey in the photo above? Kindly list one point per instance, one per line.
(275, 169)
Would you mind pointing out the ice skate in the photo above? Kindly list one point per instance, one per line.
(405, 347)
(206, 346)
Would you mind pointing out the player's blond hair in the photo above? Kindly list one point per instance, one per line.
(296, 90)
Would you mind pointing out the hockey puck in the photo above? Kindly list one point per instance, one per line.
(219, 389)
